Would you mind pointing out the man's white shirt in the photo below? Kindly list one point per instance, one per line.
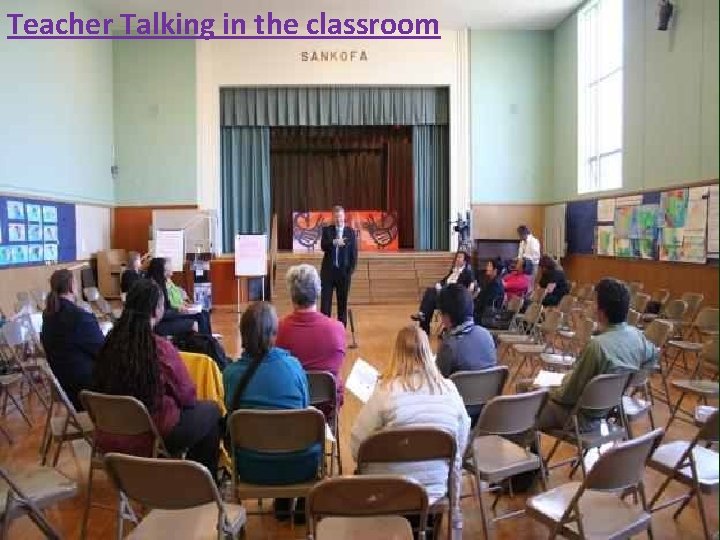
(530, 249)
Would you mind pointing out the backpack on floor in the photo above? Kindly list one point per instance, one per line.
(202, 344)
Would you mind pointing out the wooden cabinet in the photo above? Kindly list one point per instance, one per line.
(110, 264)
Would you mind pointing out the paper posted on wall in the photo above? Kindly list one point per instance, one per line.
(362, 380)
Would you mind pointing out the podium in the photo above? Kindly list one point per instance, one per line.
(197, 279)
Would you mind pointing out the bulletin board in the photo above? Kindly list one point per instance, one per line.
(36, 232)
(673, 225)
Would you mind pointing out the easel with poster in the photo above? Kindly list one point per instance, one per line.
(250, 259)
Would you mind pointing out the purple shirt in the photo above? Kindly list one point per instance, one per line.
(316, 340)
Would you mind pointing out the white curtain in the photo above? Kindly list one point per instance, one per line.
(554, 232)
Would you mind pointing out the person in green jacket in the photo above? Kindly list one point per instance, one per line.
(618, 348)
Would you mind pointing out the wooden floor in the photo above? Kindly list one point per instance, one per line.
(376, 330)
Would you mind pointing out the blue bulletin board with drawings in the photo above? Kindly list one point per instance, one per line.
(36, 232)
(676, 224)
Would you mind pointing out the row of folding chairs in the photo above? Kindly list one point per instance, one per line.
(492, 458)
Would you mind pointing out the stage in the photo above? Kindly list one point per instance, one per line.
(380, 277)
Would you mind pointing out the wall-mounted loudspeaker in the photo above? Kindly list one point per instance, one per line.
(665, 12)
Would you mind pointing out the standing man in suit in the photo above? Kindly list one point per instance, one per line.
(339, 246)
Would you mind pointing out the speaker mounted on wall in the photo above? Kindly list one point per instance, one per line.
(665, 13)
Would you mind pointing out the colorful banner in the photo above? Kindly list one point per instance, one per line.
(376, 230)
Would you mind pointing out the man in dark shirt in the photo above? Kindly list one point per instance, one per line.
(492, 293)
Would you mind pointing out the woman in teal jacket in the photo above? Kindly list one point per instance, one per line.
(267, 377)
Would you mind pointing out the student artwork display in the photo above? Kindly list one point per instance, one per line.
(36, 232)
(680, 225)
(605, 243)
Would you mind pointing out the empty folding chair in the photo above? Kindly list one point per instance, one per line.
(596, 508)
(323, 395)
(369, 506)
(635, 287)
(703, 384)
(658, 299)
(28, 491)
(601, 398)
(413, 445)
(495, 457)
(634, 318)
(15, 342)
(116, 416)
(637, 402)
(639, 302)
(524, 329)
(692, 465)
(70, 425)
(578, 339)
(693, 301)
(182, 496)
(476, 388)
(281, 431)
(39, 296)
(8, 383)
(546, 340)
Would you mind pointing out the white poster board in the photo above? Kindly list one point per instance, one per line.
(170, 244)
(250, 254)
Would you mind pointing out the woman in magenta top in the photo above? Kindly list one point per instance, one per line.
(136, 362)
(517, 282)
(314, 339)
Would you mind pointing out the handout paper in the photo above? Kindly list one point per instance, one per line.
(362, 380)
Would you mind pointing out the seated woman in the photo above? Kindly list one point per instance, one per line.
(268, 377)
(492, 290)
(177, 320)
(461, 272)
(137, 362)
(413, 393)
(314, 339)
(553, 280)
(70, 336)
(132, 272)
(518, 282)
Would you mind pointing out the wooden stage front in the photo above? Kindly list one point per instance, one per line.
(380, 278)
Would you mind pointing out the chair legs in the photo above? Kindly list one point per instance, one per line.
(88, 496)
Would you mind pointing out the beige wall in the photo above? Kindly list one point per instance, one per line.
(500, 221)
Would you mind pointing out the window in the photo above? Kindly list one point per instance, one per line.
(600, 95)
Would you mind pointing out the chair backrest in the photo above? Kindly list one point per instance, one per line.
(478, 387)
(709, 430)
(510, 415)
(407, 445)
(586, 292)
(603, 391)
(368, 495)
(622, 466)
(633, 317)
(323, 388)
(675, 309)
(661, 296)
(118, 415)
(515, 304)
(635, 287)
(538, 295)
(573, 288)
(566, 304)
(14, 333)
(583, 331)
(276, 431)
(551, 323)
(640, 302)
(658, 332)
(167, 484)
(708, 319)
(532, 314)
(693, 301)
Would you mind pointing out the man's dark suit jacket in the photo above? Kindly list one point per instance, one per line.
(347, 257)
(466, 277)
(71, 339)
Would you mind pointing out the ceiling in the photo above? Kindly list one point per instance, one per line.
(481, 14)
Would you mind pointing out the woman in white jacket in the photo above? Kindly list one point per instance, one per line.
(413, 393)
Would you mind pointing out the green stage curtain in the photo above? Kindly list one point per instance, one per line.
(245, 182)
(333, 106)
(432, 198)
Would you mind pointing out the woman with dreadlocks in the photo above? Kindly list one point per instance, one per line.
(135, 361)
